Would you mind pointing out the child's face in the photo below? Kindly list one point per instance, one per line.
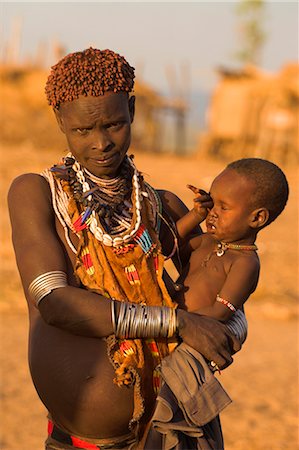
(229, 219)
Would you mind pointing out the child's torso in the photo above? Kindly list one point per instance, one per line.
(202, 278)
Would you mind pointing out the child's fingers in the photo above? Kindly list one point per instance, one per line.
(206, 205)
(196, 190)
(203, 199)
(193, 188)
(202, 192)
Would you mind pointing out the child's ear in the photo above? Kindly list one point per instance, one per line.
(59, 120)
(259, 217)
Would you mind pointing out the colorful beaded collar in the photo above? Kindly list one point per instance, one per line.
(128, 220)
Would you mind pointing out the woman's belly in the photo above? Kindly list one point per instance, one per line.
(74, 379)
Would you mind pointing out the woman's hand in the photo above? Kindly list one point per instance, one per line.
(208, 336)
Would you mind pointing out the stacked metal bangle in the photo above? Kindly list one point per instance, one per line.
(46, 283)
(140, 321)
(238, 325)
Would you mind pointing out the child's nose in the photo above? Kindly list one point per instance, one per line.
(213, 212)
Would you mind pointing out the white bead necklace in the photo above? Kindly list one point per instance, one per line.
(94, 224)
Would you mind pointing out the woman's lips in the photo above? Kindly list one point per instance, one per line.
(104, 160)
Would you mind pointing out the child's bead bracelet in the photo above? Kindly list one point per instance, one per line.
(225, 303)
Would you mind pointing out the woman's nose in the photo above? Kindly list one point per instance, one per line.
(101, 141)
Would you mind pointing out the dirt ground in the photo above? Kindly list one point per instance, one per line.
(263, 381)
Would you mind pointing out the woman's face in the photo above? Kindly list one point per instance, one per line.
(98, 130)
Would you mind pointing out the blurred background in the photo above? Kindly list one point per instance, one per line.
(215, 81)
(220, 78)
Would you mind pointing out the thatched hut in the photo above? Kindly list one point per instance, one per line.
(252, 113)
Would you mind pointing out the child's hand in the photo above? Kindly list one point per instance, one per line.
(201, 203)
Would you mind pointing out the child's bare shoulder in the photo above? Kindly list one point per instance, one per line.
(248, 262)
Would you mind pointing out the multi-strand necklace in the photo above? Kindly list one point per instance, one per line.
(109, 211)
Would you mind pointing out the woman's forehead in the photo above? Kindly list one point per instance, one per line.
(105, 105)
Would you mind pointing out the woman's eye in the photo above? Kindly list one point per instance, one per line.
(114, 125)
(82, 131)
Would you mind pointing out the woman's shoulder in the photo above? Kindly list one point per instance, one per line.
(28, 188)
(28, 181)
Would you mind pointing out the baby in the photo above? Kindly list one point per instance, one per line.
(223, 267)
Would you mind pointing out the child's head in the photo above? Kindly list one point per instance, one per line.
(248, 195)
(271, 186)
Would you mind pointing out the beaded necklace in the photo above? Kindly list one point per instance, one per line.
(223, 246)
(108, 211)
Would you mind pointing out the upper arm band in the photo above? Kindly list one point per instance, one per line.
(46, 283)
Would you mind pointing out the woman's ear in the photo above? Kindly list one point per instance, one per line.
(132, 107)
(59, 120)
(259, 218)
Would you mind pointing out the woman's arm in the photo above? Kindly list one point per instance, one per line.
(39, 250)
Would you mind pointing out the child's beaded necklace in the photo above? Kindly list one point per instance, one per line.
(222, 247)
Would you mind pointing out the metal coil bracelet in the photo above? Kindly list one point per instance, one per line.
(140, 321)
(46, 283)
(238, 325)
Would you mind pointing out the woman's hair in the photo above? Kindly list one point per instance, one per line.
(89, 72)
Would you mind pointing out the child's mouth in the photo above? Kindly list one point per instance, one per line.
(210, 226)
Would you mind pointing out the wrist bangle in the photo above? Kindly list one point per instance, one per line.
(113, 314)
(140, 321)
(238, 325)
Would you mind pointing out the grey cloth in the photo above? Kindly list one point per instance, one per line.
(188, 405)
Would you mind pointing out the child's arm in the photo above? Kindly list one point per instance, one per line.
(202, 202)
(240, 283)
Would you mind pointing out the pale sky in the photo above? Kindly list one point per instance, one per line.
(153, 35)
